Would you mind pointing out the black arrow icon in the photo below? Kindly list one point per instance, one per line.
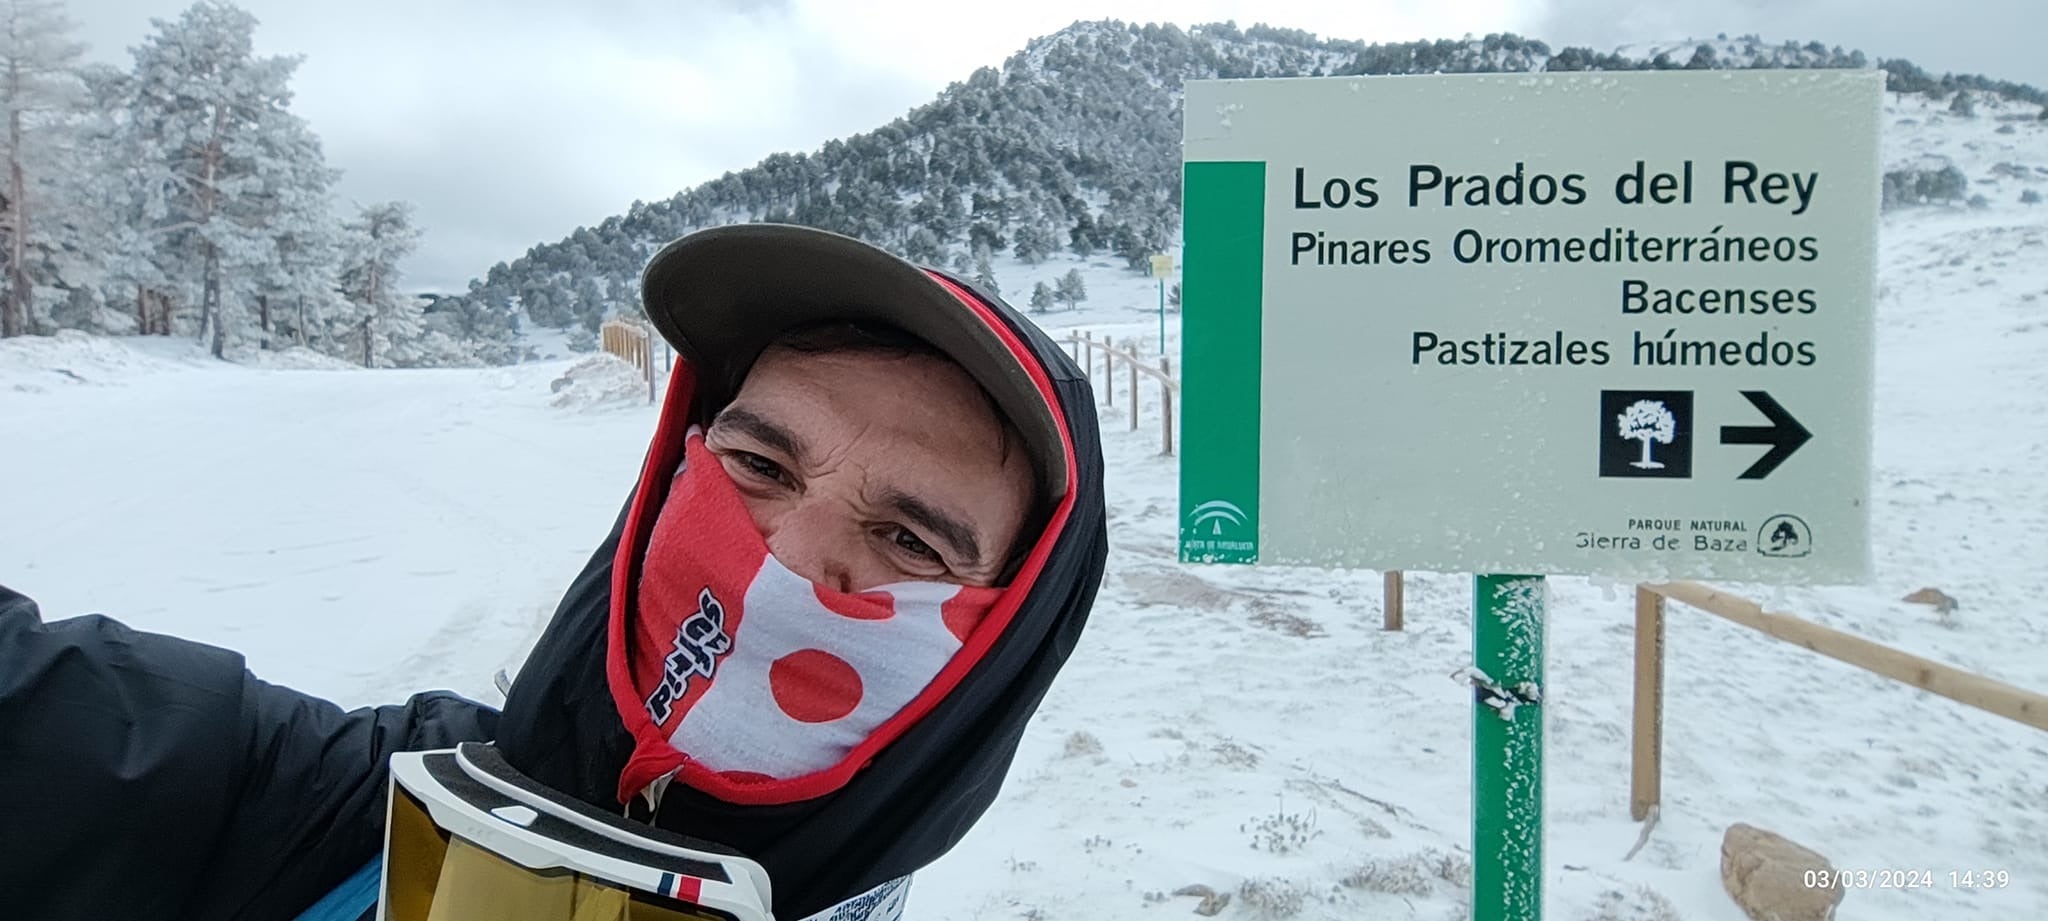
(1784, 435)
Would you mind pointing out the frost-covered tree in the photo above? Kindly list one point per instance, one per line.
(1041, 298)
(984, 274)
(923, 247)
(298, 277)
(1647, 421)
(1034, 243)
(1071, 289)
(217, 151)
(389, 321)
(42, 98)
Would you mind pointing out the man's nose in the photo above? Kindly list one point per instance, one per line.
(814, 542)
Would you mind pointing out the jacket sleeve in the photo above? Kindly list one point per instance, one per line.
(146, 776)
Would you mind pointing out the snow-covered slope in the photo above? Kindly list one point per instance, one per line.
(365, 534)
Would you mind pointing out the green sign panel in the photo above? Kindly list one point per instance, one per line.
(1591, 323)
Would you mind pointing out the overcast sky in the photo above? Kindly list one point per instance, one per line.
(510, 122)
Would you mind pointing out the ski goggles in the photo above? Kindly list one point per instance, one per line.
(468, 838)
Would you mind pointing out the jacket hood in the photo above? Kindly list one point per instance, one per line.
(917, 795)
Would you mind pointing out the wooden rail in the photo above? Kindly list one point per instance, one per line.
(1085, 348)
(1646, 786)
(633, 344)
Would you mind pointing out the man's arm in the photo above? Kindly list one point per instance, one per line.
(143, 775)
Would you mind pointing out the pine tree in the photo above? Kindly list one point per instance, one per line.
(1034, 243)
(1041, 298)
(590, 306)
(1082, 238)
(380, 237)
(1071, 288)
(984, 275)
(294, 290)
(41, 98)
(923, 247)
(216, 150)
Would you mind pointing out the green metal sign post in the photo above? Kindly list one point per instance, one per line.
(1507, 748)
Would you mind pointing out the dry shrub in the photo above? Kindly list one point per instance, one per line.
(1271, 897)
(1287, 622)
(1082, 744)
(1282, 832)
(1641, 904)
(1411, 874)
(1231, 754)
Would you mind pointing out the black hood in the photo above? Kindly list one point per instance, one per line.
(922, 793)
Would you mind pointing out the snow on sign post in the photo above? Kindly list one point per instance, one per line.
(1610, 324)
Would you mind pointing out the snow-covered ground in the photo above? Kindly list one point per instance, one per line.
(365, 534)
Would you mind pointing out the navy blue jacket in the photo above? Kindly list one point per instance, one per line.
(145, 776)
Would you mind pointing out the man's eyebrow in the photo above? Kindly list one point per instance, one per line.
(752, 425)
(942, 525)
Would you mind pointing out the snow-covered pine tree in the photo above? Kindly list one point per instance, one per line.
(1081, 239)
(209, 124)
(295, 283)
(1041, 298)
(1035, 242)
(388, 321)
(42, 99)
(984, 275)
(923, 247)
(1071, 288)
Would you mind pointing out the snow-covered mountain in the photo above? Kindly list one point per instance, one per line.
(1072, 147)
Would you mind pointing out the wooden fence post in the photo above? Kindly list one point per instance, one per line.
(1647, 744)
(1393, 606)
(1166, 403)
(1134, 394)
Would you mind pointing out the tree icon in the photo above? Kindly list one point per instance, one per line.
(1647, 421)
(1785, 536)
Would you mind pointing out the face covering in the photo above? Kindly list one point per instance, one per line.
(756, 685)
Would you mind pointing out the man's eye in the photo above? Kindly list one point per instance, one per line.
(759, 466)
(914, 546)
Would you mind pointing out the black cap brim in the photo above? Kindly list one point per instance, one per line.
(721, 295)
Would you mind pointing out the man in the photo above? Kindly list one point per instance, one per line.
(866, 537)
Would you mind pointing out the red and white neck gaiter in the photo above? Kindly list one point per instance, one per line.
(764, 684)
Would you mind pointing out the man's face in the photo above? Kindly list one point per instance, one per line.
(863, 469)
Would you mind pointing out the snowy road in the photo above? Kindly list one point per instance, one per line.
(358, 535)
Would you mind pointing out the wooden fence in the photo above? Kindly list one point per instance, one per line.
(1646, 774)
(1085, 349)
(633, 343)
